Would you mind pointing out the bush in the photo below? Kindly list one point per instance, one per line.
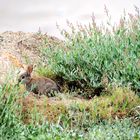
(96, 56)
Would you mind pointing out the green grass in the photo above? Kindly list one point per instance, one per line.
(11, 127)
(118, 130)
(75, 123)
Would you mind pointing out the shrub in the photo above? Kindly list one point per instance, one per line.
(96, 56)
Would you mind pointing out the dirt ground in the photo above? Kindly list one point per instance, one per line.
(18, 49)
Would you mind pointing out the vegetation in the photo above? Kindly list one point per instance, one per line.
(96, 57)
(12, 126)
(91, 61)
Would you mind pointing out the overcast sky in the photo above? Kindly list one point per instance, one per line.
(29, 15)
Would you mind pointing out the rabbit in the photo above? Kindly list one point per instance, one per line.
(40, 85)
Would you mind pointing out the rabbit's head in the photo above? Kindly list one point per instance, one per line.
(25, 77)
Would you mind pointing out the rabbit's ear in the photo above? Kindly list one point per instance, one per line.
(30, 69)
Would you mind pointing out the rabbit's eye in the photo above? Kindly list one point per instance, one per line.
(23, 77)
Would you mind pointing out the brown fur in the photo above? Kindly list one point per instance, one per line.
(40, 85)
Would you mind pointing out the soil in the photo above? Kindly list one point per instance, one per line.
(18, 49)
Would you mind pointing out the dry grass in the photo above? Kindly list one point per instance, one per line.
(118, 104)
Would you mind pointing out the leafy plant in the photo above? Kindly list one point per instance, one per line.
(97, 56)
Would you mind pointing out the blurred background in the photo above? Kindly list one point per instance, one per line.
(32, 15)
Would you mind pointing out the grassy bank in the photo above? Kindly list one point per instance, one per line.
(77, 122)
